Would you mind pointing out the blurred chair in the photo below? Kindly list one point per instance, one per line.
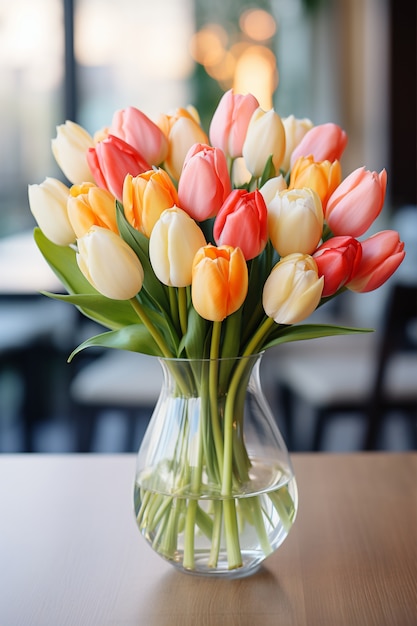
(369, 375)
(125, 382)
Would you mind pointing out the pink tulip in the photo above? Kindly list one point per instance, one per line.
(337, 260)
(325, 142)
(111, 160)
(230, 122)
(242, 222)
(136, 129)
(204, 183)
(382, 253)
(356, 202)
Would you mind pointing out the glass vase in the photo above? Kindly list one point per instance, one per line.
(215, 492)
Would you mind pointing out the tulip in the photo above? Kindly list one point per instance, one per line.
(382, 253)
(295, 221)
(89, 205)
(146, 196)
(323, 177)
(219, 281)
(293, 289)
(295, 129)
(182, 130)
(70, 151)
(48, 204)
(230, 122)
(173, 244)
(325, 142)
(242, 222)
(240, 175)
(204, 183)
(136, 129)
(109, 264)
(356, 202)
(111, 160)
(337, 261)
(272, 187)
(265, 137)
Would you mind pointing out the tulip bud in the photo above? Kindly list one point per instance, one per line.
(325, 142)
(136, 129)
(295, 221)
(295, 129)
(265, 137)
(48, 204)
(219, 281)
(382, 254)
(173, 243)
(70, 151)
(182, 130)
(356, 202)
(230, 122)
(146, 196)
(272, 187)
(89, 205)
(109, 264)
(242, 222)
(323, 177)
(111, 160)
(337, 260)
(204, 183)
(293, 289)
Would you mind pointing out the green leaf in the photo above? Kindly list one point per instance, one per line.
(111, 313)
(134, 338)
(269, 171)
(309, 331)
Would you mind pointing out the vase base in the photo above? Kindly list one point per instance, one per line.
(250, 565)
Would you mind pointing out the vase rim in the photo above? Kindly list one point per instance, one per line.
(237, 357)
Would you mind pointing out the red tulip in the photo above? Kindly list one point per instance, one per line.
(110, 160)
(382, 253)
(337, 260)
(242, 222)
(230, 122)
(356, 202)
(325, 142)
(204, 182)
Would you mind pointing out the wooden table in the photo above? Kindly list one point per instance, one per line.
(70, 553)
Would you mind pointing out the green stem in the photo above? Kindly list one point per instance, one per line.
(213, 392)
(182, 308)
(156, 336)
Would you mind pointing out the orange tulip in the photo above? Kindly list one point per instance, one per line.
(323, 177)
(146, 196)
(89, 205)
(219, 281)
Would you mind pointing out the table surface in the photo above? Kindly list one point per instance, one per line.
(70, 552)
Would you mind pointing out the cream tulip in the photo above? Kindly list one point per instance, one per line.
(48, 204)
(109, 264)
(70, 151)
(295, 129)
(173, 243)
(265, 137)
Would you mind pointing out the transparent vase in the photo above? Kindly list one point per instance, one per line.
(215, 492)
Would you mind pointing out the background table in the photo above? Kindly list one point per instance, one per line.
(70, 552)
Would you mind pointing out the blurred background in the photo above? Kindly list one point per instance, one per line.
(352, 62)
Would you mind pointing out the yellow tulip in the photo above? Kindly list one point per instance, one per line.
(146, 196)
(220, 281)
(48, 204)
(70, 149)
(295, 221)
(293, 289)
(295, 129)
(324, 177)
(89, 205)
(182, 130)
(265, 137)
(173, 243)
(109, 264)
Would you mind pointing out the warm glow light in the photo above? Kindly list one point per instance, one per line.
(257, 24)
(223, 71)
(256, 73)
(208, 45)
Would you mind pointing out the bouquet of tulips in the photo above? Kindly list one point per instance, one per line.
(187, 245)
